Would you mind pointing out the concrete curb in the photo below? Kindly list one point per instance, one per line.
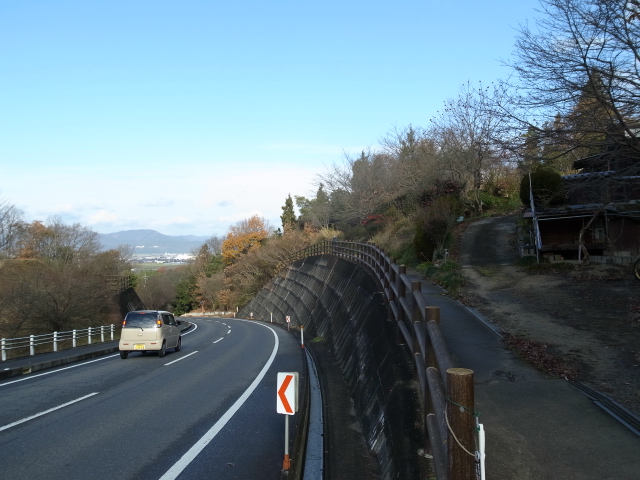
(34, 367)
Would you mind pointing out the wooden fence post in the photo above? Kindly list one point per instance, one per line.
(431, 314)
(461, 424)
(416, 316)
(402, 271)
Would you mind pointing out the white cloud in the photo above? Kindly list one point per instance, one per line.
(175, 203)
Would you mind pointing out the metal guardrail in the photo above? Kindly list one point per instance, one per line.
(447, 393)
(73, 336)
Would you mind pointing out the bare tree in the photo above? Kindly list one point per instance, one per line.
(470, 137)
(56, 241)
(215, 244)
(577, 80)
(10, 228)
(393, 176)
(159, 289)
(415, 160)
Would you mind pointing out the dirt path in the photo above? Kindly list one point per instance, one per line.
(587, 319)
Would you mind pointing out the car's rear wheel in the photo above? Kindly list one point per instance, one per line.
(636, 269)
(123, 354)
(163, 349)
(179, 344)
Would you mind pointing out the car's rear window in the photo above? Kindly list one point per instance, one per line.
(140, 320)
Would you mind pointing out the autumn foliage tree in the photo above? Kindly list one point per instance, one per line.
(243, 237)
(55, 279)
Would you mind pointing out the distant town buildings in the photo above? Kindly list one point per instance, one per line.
(162, 258)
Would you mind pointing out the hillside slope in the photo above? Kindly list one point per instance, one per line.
(583, 322)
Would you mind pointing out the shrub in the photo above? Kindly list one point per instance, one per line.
(547, 188)
(422, 244)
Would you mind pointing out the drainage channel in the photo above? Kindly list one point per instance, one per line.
(613, 408)
(314, 456)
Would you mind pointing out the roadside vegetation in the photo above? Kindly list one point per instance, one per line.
(574, 84)
(54, 276)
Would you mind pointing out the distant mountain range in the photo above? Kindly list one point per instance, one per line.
(150, 241)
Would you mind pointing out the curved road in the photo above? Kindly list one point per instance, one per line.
(208, 411)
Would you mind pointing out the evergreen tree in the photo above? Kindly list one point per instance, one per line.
(185, 296)
(288, 216)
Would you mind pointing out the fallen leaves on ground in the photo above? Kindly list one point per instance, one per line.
(538, 355)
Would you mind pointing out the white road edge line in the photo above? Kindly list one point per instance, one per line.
(193, 452)
(221, 338)
(47, 411)
(195, 326)
(55, 371)
(181, 358)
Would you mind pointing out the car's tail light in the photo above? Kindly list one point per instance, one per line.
(124, 322)
(158, 323)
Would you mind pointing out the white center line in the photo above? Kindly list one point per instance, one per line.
(47, 411)
(55, 371)
(228, 331)
(221, 338)
(181, 358)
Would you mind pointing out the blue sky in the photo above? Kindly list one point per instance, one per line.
(186, 117)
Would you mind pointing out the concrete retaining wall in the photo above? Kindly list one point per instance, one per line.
(339, 302)
(128, 301)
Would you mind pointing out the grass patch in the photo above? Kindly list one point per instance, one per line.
(487, 270)
(526, 261)
(550, 267)
(447, 275)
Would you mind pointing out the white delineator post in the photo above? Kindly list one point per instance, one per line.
(302, 335)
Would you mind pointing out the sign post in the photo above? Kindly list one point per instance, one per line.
(287, 404)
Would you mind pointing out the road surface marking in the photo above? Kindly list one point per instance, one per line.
(193, 452)
(55, 371)
(221, 338)
(194, 329)
(47, 411)
(181, 358)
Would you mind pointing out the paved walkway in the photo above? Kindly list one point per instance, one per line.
(536, 427)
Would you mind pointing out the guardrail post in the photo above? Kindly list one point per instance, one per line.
(461, 424)
(55, 341)
(4, 351)
(112, 329)
(101, 334)
(402, 270)
(89, 336)
(431, 314)
(74, 339)
(31, 346)
(416, 315)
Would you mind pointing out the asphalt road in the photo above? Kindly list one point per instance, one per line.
(208, 411)
(489, 241)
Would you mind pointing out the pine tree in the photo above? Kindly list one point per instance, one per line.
(288, 216)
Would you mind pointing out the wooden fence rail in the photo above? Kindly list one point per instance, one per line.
(447, 392)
